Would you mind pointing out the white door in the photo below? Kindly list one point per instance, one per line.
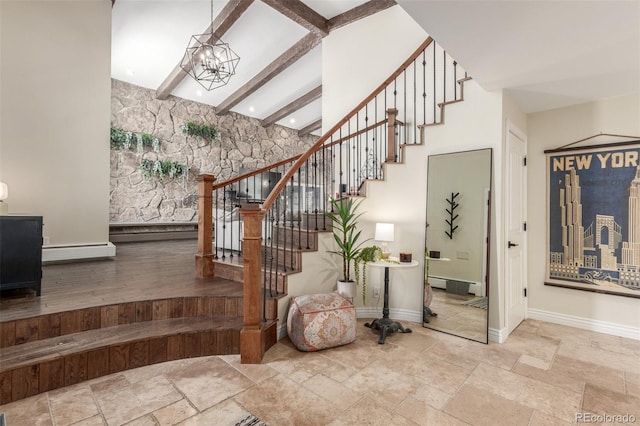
(516, 271)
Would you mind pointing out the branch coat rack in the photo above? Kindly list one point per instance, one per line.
(453, 205)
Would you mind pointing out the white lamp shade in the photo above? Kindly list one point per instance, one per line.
(384, 232)
(4, 191)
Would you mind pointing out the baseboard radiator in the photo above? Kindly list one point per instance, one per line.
(441, 282)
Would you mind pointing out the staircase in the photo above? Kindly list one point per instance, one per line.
(262, 247)
(257, 250)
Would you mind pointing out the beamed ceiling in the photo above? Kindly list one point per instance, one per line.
(546, 54)
(279, 76)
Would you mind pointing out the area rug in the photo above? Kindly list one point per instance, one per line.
(478, 302)
(251, 420)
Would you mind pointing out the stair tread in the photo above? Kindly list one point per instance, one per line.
(52, 348)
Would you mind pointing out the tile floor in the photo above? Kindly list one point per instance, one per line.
(456, 318)
(544, 374)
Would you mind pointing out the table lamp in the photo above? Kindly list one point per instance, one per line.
(4, 193)
(384, 234)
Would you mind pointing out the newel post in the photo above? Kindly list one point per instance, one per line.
(251, 336)
(204, 258)
(391, 135)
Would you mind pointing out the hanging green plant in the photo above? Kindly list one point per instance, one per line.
(159, 168)
(122, 139)
(367, 254)
(202, 130)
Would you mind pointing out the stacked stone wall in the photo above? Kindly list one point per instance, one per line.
(244, 143)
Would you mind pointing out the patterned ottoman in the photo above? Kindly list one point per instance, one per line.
(320, 321)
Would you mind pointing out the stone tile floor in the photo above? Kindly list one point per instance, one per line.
(544, 374)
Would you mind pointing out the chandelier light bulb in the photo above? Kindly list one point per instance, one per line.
(209, 60)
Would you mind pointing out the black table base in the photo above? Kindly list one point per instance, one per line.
(386, 327)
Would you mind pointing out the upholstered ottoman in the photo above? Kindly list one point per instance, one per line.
(321, 321)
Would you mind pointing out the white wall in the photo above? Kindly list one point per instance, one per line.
(552, 129)
(55, 111)
(358, 57)
(473, 124)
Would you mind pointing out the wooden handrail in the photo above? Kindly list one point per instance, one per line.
(273, 195)
(295, 157)
(256, 172)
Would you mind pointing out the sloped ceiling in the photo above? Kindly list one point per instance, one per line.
(149, 38)
(546, 54)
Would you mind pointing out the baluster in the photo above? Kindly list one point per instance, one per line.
(366, 142)
(340, 173)
(306, 209)
(455, 81)
(215, 227)
(404, 96)
(424, 86)
(444, 75)
(391, 143)
(270, 250)
(291, 219)
(434, 83)
(415, 106)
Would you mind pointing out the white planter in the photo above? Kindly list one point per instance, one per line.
(347, 289)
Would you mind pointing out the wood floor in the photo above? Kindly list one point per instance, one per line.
(140, 271)
(98, 317)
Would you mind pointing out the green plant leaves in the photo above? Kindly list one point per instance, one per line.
(162, 169)
(122, 139)
(345, 234)
(202, 130)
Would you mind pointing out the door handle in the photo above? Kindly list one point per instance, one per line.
(512, 244)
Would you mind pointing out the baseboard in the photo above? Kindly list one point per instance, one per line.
(498, 335)
(585, 323)
(372, 312)
(282, 331)
(397, 314)
(77, 252)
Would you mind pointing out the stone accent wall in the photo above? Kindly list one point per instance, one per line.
(244, 143)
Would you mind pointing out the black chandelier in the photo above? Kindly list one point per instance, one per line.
(209, 60)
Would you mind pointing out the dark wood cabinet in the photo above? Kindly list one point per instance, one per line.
(21, 252)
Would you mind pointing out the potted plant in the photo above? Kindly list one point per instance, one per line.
(367, 254)
(344, 220)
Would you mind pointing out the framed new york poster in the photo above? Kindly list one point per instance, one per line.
(593, 217)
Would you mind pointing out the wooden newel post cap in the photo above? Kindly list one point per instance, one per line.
(206, 177)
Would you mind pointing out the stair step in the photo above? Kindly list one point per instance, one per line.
(299, 238)
(48, 364)
(25, 330)
(232, 270)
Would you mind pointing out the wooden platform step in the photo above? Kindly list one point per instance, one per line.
(49, 351)
(48, 364)
(21, 331)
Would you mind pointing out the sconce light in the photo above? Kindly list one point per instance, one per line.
(384, 234)
(4, 193)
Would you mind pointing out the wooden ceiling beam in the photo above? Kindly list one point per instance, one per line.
(310, 128)
(301, 14)
(302, 101)
(298, 50)
(359, 12)
(220, 25)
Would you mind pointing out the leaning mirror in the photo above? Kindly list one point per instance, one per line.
(456, 285)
